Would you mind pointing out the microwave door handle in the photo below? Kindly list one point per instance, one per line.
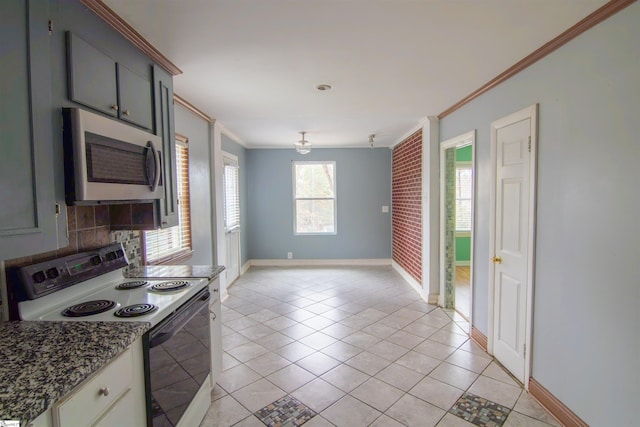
(153, 166)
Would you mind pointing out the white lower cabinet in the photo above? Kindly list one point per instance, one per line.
(215, 313)
(113, 396)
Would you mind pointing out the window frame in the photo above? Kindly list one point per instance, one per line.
(182, 252)
(294, 163)
(469, 166)
(230, 160)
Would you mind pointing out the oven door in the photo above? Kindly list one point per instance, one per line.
(177, 361)
(110, 161)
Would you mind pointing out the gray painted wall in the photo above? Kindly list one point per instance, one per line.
(363, 178)
(586, 340)
(238, 150)
(197, 131)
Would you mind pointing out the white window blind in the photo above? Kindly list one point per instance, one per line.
(231, 196)
(164, 244)
(314, 197)
(463, 198)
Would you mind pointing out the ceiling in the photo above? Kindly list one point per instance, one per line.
(254, 65)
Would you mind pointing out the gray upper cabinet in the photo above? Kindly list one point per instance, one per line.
(98, 82)
(92, 77)
(135, 98)
(27, 194)
(163, 97)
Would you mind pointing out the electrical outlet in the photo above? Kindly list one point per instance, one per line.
(289, 255)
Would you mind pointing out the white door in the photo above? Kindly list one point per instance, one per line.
(512, 240)
(232, 216)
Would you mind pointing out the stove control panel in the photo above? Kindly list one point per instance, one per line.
(49, 276)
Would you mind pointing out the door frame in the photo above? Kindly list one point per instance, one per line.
(531, 113)
(468, 138)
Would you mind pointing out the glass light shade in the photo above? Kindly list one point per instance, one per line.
(303, 147)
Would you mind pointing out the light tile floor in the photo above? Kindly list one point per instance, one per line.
(357, 346)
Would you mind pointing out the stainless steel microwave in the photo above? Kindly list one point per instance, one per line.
(107, 161)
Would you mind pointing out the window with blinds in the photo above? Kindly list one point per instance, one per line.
(463, 198)
(231, 195)
(169, 243)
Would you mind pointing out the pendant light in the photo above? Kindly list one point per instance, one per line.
(303, 146)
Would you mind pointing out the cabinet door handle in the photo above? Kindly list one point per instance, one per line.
(213, 315)
(125, 112)
(114, 107)
(104, 391)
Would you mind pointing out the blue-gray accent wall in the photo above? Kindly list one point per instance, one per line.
(232, 147)
(363, 180)
(585, 317)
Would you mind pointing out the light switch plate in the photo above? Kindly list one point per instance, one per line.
(385, 209)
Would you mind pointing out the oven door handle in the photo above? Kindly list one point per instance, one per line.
(167, 330)
(152, 166)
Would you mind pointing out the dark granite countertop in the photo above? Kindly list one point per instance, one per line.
(177, 271)
(40, 362)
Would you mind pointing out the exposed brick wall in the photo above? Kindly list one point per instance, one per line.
(406, 197)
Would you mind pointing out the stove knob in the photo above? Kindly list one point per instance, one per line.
(39, 277)
(53, 273)
(111, 256)
(96, 260)
(119, 253)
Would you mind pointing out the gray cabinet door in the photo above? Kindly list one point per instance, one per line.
(163, 98)
(92, 76)
(135, 98)
(27, 199)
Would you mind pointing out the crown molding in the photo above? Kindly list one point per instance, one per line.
(606, 11)
(128, 32)
(189, 106)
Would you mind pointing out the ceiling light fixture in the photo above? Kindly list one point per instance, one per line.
(373, 135)
(303, 146)
(323, 87)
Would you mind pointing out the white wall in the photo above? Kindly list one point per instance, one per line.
(586, 338)
(197, 130)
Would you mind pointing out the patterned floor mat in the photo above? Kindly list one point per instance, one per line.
(480, 411)
(285, 412)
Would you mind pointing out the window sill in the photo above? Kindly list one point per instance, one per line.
(173, 258)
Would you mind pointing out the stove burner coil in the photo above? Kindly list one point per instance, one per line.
(132, 285)
(174, 285)
(135, 310)
(88, 308)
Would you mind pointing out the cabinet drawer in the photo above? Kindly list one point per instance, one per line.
(91, 399)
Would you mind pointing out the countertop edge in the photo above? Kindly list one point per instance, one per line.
(37, 388)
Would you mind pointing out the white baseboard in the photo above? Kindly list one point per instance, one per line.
(316, 262)
(245, 267)
(463, 263)
(417, 286)
(433, 299)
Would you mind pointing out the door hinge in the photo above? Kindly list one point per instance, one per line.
(50, 26)
(529, 145)
(524, 350)
(57, 209)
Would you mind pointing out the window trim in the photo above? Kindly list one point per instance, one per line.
(465, 232)
(334, 198)
(182, 253)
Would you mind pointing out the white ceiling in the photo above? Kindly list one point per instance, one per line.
(254, 64)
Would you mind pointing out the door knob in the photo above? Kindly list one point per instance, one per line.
(114, 107)
(497, 260)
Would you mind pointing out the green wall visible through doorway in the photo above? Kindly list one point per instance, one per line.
(463, 243)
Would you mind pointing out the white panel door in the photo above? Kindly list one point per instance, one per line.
(511, 245)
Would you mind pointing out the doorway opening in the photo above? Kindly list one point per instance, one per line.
(456, 223)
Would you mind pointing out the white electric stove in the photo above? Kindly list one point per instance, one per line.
(90, 286)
